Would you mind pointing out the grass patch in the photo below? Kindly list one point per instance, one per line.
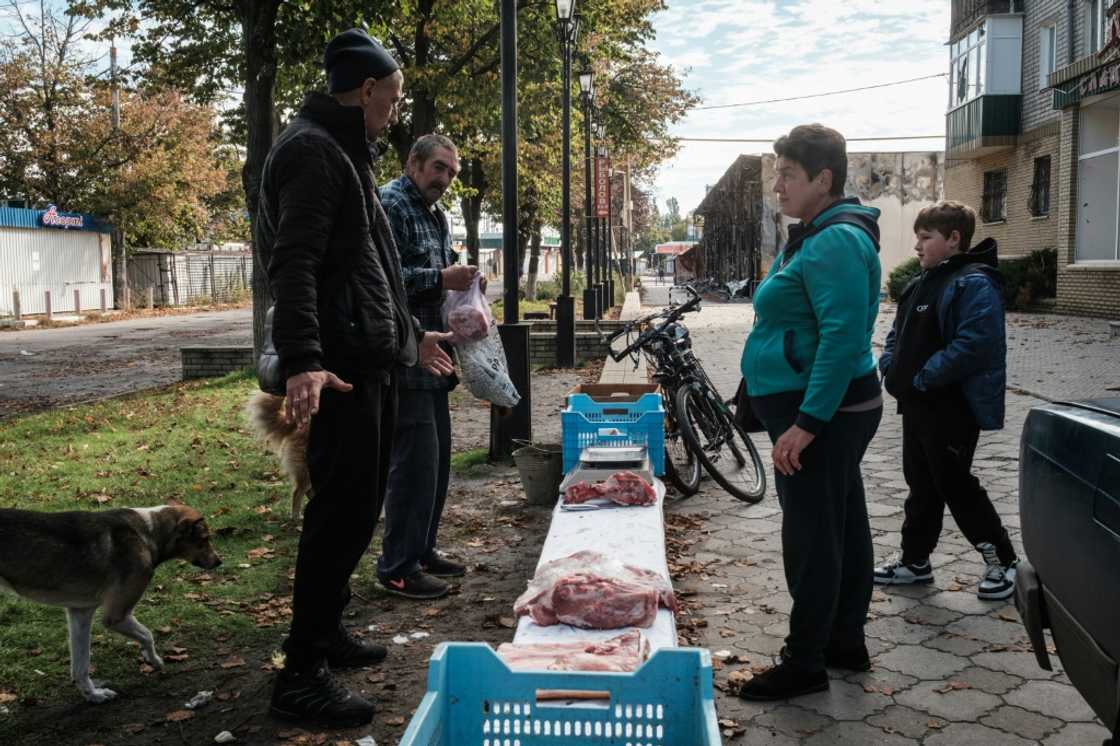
(470, 463)
(186, 442)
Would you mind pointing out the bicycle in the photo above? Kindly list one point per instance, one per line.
(695, 412)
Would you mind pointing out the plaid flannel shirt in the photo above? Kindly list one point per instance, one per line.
(423, 240)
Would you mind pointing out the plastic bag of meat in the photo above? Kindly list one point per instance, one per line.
(624, 488)
(590, 590)
(466, 313)
(484, 371)
(625, 653)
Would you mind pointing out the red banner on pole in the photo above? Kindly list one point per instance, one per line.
(602, 187)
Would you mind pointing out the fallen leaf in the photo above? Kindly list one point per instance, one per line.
(135, 728)
(397, 720)
(6, 697)
(179, 715)
(233, 661)
(953, 686)
(935, 724)
(507, 621)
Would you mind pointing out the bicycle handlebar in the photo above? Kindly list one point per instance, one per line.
(670, 315)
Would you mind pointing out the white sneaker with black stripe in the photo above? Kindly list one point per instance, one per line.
(896, 572)
(999, 579)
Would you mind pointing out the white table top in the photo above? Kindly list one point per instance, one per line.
(634, 535)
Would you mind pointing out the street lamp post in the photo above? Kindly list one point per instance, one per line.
(506, 427)
(602, 265)
(590, 295)
(567, 30)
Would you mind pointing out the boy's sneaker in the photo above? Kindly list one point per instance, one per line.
(317, 696)
(999, 579)
(440, 566)
(896, 572)
(419, 585)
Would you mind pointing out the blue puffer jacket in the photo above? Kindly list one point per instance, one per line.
(972, 320)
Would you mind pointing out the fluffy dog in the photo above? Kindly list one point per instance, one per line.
(89, 560)
(265, 416)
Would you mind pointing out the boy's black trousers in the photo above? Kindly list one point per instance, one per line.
(938, 444)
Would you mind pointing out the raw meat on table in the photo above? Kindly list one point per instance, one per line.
(626, 652)
(590, 590)
(624, 488)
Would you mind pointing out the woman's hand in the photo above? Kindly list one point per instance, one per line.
(787, 451)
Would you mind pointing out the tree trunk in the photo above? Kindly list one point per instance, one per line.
(258, 31)
(473, 177)
(119, 267)
(534, 262)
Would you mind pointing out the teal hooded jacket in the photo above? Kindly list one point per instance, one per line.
(814, 316)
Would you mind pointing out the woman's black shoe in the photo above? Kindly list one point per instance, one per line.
(317, 696)
(782, 682)
(848, 659)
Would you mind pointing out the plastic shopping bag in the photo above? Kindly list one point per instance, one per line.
(466, 313)
(484, 371)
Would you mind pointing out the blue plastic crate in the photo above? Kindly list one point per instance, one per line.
(587, 422)
(475, 699)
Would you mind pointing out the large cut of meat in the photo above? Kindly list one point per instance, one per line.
(624, 488)
(590, 590)
(468, 323)
(626, 652)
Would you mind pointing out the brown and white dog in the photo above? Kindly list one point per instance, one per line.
(86, 560)
(266, 418)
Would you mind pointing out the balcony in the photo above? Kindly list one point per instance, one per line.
(987, 124)
(965, 13)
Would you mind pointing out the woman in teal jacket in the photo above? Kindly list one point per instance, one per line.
(812, 382)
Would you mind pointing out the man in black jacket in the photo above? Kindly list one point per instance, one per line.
(341, 327)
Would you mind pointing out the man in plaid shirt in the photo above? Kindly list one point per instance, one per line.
(410, 565)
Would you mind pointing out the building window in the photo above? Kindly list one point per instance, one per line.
(1047, 53)
(1096, 20)
(1040, 187)
(966, 67)
(994, 208)
(1098, 171)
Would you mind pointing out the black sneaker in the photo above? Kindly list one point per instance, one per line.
(783, 681)
(419, 585)
(999, 579)
(896, 572)
(318, 697)
(439, 566)
(348, 651)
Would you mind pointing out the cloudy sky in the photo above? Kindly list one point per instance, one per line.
(732, 51)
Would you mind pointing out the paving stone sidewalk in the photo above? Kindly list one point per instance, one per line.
(947, 667)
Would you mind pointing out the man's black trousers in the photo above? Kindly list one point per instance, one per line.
(421, 464)
(937, 450)
(826, 537)
(348, 459)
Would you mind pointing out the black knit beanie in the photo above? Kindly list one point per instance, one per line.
(352, 57)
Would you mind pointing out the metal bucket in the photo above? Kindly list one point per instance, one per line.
(541, 468)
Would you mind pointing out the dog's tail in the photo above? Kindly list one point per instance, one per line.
(264, 413)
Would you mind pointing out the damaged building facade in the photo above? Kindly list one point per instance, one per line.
(1033, 136)
(743, 228)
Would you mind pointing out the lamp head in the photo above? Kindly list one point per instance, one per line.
(564, 9)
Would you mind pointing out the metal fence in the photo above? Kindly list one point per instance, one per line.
(189, 278)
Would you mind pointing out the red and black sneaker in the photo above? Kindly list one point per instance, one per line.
(419, 585)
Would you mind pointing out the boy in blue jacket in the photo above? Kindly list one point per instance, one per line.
(945, 361)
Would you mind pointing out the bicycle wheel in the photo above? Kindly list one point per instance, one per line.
(725, 450)
(682, 468)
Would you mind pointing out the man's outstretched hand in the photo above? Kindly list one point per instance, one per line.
(432, 356)
(302, 401)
